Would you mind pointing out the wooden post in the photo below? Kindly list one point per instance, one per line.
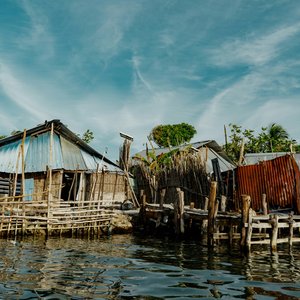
(162, 198)
(205, 204)
(264, 204)
(50, 180)
(23, 182)
(246, 201)
(94, 183)
(291, 231)
(241, 153)
(223, 203)
(211, 213)
(274, 223)
(249, 230)
(230, 233)
(181, 211)
(142, 213)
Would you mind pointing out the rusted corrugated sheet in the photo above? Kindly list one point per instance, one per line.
(279, 179)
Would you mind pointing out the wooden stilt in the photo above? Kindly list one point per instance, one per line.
(211, 213)
(264, 204)
(246, 201)
(181, 211)
(205, 204)
(223, 203)
(291, 231)
(274, 223)
(162, 198)
(249, 230)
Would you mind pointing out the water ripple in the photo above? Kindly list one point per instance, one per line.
(128, 267)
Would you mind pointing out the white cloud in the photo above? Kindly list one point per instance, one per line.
(107, 35)
(36, 35)
(19, 93)
(283, 111)
(255, 50)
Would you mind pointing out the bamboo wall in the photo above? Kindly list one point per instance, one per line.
(88, 206)
(107, 187)
(185, 171)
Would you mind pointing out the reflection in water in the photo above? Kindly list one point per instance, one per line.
(132, 267)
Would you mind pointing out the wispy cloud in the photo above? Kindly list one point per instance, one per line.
(18, 92)
(257, 49)
(36, 35)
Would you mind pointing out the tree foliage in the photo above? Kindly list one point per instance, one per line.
(88, 136)
(172, 135)
(273, 138)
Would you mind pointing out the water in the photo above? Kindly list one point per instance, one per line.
(132, 267)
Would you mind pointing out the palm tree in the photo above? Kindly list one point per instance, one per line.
(276, 134)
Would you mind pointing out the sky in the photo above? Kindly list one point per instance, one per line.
(126, 66)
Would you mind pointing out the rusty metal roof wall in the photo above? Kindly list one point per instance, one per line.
(255, 158)
(276, 178)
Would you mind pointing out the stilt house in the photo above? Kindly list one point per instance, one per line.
(189, 167)
(51, 178)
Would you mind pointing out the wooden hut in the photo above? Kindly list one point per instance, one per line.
(188, 167)
(52, 180)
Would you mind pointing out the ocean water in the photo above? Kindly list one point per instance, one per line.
(139, 267)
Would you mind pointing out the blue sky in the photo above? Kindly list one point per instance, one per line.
(122, 65)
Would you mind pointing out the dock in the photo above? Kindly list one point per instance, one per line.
(213, 226)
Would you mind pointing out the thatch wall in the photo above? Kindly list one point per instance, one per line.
(183, 170)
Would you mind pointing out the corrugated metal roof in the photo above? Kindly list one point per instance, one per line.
(211, 154)
(92, 162)
(38, 153)
(9, 148)
(72, 157)
(65, 155)
(9, 154)
(255, 158)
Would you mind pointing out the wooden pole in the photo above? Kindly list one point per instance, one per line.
(249, 230)
(226, 141)
(291, 231)
(20, 153)
(181, 211)
(264, 204)
(162, 198)
(23, 182)
(205, 204)
(49, 200)
(223, 203)
(246, 202)
(241, 153)
(211, 213)
(274, 223)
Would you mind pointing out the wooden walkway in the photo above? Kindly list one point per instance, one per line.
(246, 227)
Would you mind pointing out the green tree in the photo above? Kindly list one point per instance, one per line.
(88, 136)
(172, 135)
(273, 138)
